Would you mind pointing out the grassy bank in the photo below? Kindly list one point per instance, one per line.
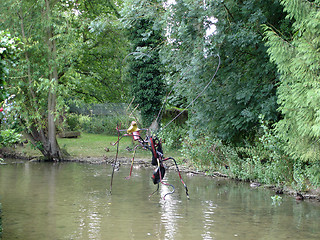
(94, 146)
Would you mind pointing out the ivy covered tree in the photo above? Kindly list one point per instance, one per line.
(144, 71)
(298, 62)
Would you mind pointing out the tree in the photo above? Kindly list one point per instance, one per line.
(225, 123)
(185, 54)
(298, 62)
(58, 36)
(96, 48)
(144, 65)
(245, 86)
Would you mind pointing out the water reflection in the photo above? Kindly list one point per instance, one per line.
(169, 215)
(70, 201)
(89, 221)
(208, 211)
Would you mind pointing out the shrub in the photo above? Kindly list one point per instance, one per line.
(208, 153)
(73, 121)
(9, 137)
(266, 161)
(313, 173)
(173, 136)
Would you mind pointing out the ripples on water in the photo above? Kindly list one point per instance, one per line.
(72, 201)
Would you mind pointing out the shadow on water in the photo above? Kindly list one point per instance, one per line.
(72, 201)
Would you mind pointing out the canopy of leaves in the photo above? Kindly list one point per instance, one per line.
(95, 46)
(298, 62)
(245, 86)
(90, 45)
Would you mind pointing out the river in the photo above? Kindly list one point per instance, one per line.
(71, 201)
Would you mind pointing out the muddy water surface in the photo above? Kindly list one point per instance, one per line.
(71, 201)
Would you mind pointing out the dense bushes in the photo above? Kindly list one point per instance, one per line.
(265, 161)
(224, 128)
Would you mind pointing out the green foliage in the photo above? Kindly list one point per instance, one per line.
(248, 85)
(72, 122)
(144, 66)
(96, 46)
(299, 177)
(186, 51)
(246, 82)
(297, 61)
(313, 173)
(173, 136)
(103, 124)
(9, 137)
(265, 161)
(70, 51)
(8, 52)
(209, 153)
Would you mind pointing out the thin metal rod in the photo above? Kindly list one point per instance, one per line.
(115, 160)
(185, 185)
(155, 191)
(132, 160)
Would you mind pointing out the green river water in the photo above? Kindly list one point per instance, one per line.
(71, 201)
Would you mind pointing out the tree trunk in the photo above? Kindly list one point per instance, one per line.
(53, 147)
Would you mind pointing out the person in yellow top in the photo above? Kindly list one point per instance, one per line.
(134, 130)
